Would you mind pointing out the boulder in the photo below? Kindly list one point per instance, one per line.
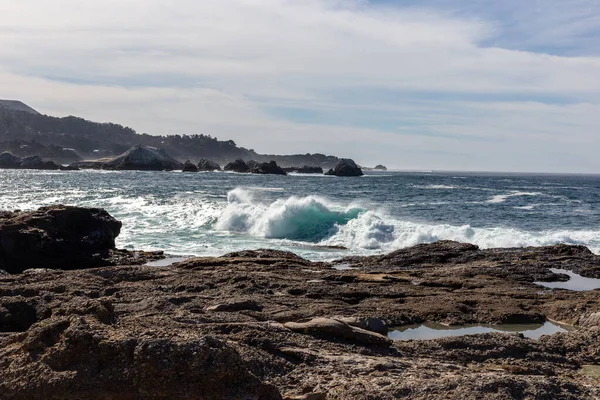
(8, 160)
(380, 167)
(208, 165)
(189, 167)
(270, 168)
(60, 237)
(252, 163)
(143, 158)
(35, 162)
(238, 165)
(346, 167)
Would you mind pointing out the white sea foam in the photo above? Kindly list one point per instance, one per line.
(318, 220)
(501, 198)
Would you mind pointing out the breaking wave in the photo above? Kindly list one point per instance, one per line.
(317, 220)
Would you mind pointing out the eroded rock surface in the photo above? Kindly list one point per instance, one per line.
(264, 324)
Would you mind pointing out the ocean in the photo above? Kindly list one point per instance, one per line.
(321, 217)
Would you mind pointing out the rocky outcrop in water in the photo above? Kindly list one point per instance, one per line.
(9, 161)
(270, 168)
(345, 167)
(380, 167)
(60, 237)
(208, 165)
(238, 165)
(189, 167)
(35, 162)
(143, 158)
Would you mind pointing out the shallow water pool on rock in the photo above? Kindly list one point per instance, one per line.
(432, 330)
(576, 282)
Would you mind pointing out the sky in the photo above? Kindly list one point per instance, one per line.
(476, 85)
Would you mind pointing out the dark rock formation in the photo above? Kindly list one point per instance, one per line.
(252, 163)
(189, 167)
(270, 168)
(10, 161)
(208, 165)
(238, 165)
(345, 167)
(143, 158)
(35, 162)
(56, 237)
(381, 167)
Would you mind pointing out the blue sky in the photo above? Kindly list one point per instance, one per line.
(438, 84)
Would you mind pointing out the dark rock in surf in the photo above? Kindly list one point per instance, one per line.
(270, 168)
(346, 167)
(252, 163)
(56, 237)
(189, 167)
(143, 158)
(238, 165)
(380, 167)
(208, 165)
(9, 161)
(35, 162)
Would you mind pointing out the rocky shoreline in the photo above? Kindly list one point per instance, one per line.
(268, 324)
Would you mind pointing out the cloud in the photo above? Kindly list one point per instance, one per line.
(418, 85)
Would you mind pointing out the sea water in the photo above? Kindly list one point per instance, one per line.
(321, 217)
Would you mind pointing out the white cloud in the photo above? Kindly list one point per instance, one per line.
(213, 67)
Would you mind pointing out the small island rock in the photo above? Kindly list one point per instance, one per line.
(346, 167)
(143, 158)
(189, 167)
(238, 165)
(9, 160)
(270, 168)
(208, 165)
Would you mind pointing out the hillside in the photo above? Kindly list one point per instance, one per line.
(24, 131)
(16, 105)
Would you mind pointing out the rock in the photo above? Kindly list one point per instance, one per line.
(56, 237)
(369, 323)
(35, 162)
(10, 161)
(332, 329)
(252, 163)
(237, 166)
(189, 167)
(270, 168)
(346, 167)
(248, 305)
(76, 358)
(208, 165)
(69, 168)
(380, 167)
(143, 158)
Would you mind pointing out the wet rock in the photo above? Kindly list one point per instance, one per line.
(346, 167)
(9, 161)
(188, 166)
(208, 165)
(332, 329)
(35, 162)
(380, 167)
(270, 168)
(142, 158)
(237, 166)
(56, 237)
(377, 325)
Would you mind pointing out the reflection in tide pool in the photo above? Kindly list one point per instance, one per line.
(576, 282)
(433, 330)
